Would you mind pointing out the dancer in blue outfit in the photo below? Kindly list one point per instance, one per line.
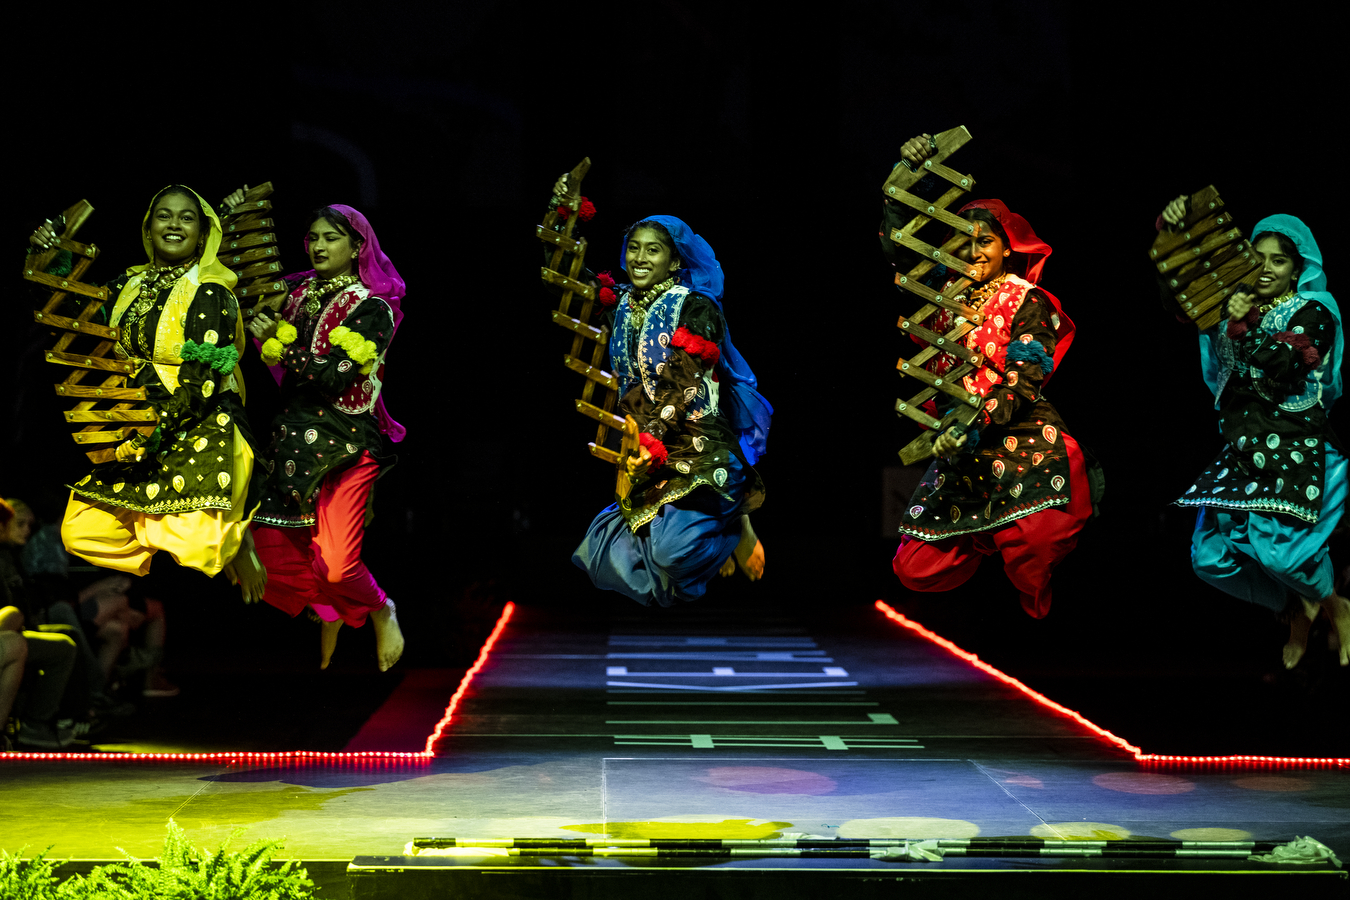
(702, 427)
(1270, 500)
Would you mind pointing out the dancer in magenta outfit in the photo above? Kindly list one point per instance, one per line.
(327, 349)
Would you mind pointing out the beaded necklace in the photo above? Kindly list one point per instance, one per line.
(640, 300)
(1267, 307)
(986, 290)
(319, 289)
(155, 280)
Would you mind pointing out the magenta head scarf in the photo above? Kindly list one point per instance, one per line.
(380, 277)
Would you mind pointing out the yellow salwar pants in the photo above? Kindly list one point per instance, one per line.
(123, 539)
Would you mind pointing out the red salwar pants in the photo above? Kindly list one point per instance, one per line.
(320, 565)
(1031, 546)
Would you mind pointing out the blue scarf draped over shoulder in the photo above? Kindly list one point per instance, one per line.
(745, 408)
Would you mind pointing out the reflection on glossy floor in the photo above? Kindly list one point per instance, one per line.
(698, 723)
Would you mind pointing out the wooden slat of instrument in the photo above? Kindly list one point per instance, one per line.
(250, 250)
(1204, 258)
(84, 346)
(897, 189)
(560, 233)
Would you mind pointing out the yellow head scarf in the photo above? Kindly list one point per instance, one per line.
(209, 268)
(169, 335)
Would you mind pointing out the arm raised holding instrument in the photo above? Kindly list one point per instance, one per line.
(699, 424)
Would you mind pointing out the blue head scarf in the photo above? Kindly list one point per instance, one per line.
(1312, 285)
(745, 408)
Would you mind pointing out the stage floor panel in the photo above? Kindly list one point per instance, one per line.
(700, 723)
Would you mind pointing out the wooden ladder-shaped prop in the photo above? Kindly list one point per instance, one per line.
(896, 189)
(107, 413)
(250, 250)
(1204, 258)
(558, 231)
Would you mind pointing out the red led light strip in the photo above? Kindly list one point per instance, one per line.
(890, 613)
(365, 756)
(468, 677)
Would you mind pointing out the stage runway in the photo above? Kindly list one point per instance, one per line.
(702, 723)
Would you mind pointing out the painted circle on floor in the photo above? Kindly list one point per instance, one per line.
(1081, 831)
(1274, 783)
(1143, 783)
(767, 780)
(1211, 834)
(918, 827)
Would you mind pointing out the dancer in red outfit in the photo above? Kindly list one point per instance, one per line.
(1014, 483)
(327, 348)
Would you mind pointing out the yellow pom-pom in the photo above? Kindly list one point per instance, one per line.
(286, 332)
(272, 350)
(338, 335)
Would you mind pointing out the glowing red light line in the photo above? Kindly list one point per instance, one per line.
(468, 677)
(890, 613)
(299, 756)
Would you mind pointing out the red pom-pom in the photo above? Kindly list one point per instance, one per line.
(1236, 329)
(607, 298)
(605, 279)
(657, 449)
(587, 210)
(697, 346)
(1303, 345)
(564, 212)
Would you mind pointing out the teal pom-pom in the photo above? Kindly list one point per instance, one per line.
(62, 264)
(1031, 352)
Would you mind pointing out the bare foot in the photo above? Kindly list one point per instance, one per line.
(1337, 609)
(749, 553)
(247, 571)
(388, 636)
(729, 567)
(1298, 634)
(328, 632)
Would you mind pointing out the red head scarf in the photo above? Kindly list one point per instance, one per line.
(1021, 239)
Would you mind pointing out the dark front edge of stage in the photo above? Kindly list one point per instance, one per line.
(415, 878)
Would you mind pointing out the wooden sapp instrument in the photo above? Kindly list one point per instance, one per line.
(897, 189)
(249, 249)
(558, 231)
(108, 412)
(1204, 258)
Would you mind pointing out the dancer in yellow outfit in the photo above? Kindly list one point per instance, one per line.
(185, 488)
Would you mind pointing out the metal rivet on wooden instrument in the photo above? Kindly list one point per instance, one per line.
(928, 164)
(937, 381)
(965, 182)
(890, 190)
(937, 253)
(931, 209)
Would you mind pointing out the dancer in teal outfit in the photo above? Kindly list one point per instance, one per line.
(1271, 498)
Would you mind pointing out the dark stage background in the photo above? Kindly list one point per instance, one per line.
(770, 134)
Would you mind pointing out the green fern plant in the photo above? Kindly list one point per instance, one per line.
(26, 879)
(183, 874)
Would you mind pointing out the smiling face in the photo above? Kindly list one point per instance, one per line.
(175, 227)
(648, 260)
(1277, 269)
(985, 251)
(331, 250)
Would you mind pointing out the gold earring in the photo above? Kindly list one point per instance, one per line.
(1007, 253)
